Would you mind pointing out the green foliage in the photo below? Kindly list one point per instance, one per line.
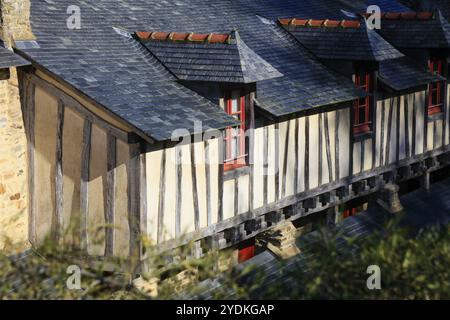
(413, 266)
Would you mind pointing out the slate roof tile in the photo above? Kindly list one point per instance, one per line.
(136, 87)
(342, 40)
(361, 6)
(402, 74)
(10, 59)
(418, 33)
(216, 58)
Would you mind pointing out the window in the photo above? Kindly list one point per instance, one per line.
(246, 250)
(436, 89)
(362, 106)
(235, 145)
(350, 212)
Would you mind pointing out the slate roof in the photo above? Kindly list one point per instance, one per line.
(417, 33)
(331, 39)
(226, 61)
(401, 74)
(304, 9)
(121, 75)
(360, 6)
(443, 6)
(10, 59)
(430, 5)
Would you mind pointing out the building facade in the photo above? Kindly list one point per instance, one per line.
(214, 130)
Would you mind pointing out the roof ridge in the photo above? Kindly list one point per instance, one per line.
(328, 23)
(185, 37)
(409, 15)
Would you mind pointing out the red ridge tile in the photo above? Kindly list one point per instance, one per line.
(392, 15)
(320, 23)
(408, 15)
(299, 22)
(143, 34)
(425, 15)
(197, 37)
(350, 24)
(284, 22)
(160, 35)
(174, 36)
(332, 23)
(218, 38)
(315, 23)
(183, 37)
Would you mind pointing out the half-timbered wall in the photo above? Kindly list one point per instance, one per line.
(291, 158)
(89, 185)
(80, 175)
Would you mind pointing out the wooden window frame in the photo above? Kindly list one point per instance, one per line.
(230, 162)
(435, 89)
(351, 212)
(363, 105)
(246, 250)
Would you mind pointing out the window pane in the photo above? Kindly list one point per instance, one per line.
(235, 97)
(234, 148)
(362, 115)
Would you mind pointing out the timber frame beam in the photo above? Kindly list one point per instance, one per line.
(230, 232)
(72, 103)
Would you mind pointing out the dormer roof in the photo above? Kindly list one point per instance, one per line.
(208, 57)
(416, 30)
(340, 39)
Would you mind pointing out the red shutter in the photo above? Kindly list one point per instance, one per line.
(246, 250)
(362, 106)
(435, 96)
(233, 161)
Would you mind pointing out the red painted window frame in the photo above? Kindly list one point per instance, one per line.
(363, 105)
(350, 212)
(435, 65)
(246, 250)
(230, 162)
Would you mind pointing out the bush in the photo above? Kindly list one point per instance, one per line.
(412, 267)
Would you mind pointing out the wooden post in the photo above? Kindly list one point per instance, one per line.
(389, 129)
(143, 194)
(110, 195)
(220, 178)
(84, 186)
(286, 156)
(134, 200)
(382, 148)
(58, 225)
(265, 152)
(162, 192)
(306, 172)
(208, 184)
(195, 187)
(30, 116)
(178, 195)
(336, 132)
(277, 161)
(328, 148)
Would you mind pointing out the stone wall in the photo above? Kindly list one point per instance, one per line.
(14, 25)
(13, 174)
(15, 20)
